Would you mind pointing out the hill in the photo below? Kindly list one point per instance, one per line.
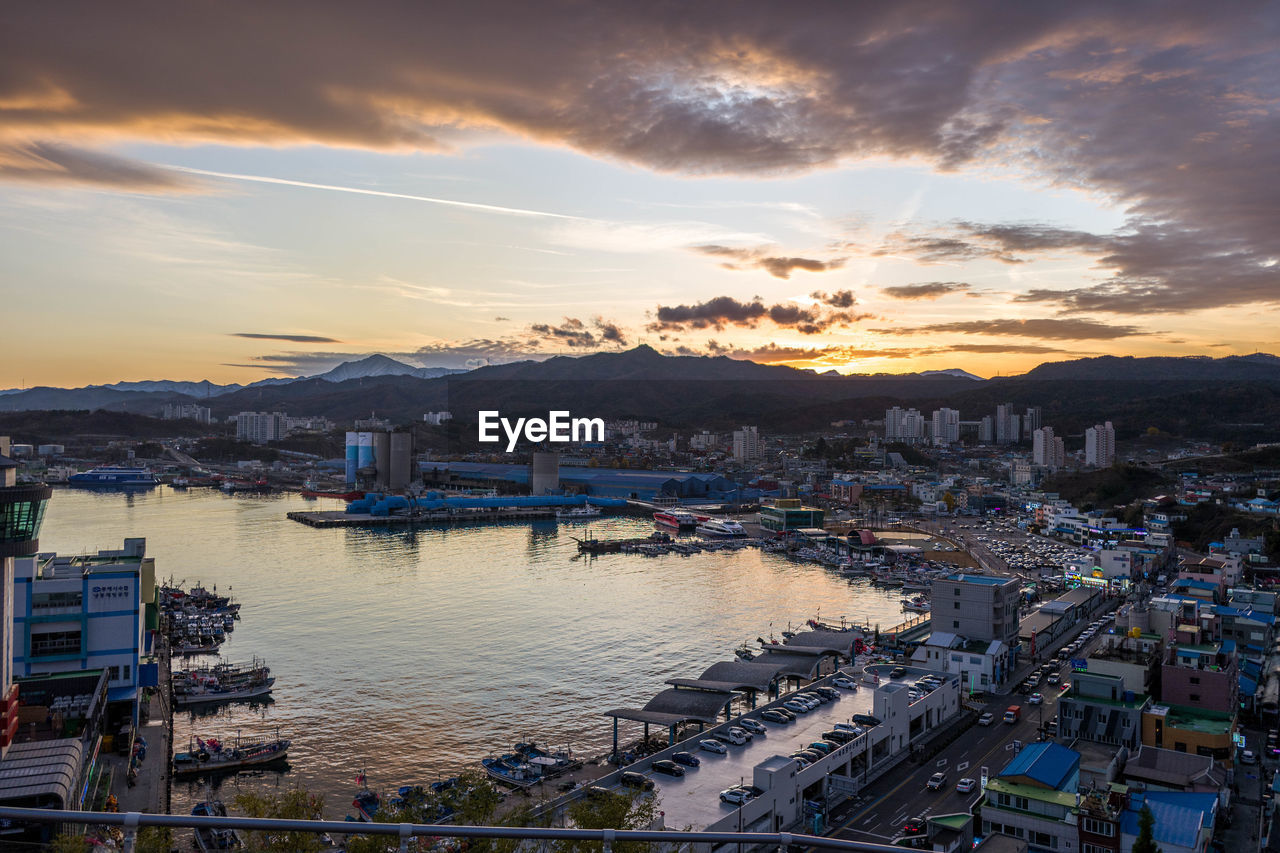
(1119, 485)
(1232, 368)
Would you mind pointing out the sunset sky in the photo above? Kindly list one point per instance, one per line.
(231, 191)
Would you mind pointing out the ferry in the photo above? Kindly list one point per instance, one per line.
(678, 519)
(721, 527)
(115, 475)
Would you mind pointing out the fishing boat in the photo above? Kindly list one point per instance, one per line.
(919, 604)
(212, 756)
(366, 803)
(511, 770)
(578, 513)
(212, 690)
(211, 838)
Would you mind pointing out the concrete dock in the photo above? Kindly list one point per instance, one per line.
(339, 518)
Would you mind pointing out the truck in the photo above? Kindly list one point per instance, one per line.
(1012, 714)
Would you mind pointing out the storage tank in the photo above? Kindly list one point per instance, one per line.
(382, 458)
(364, 450)
(352, 457)
(544, 473)
(400, 462)
(1140, 618)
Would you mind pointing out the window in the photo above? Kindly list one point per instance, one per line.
(46, 600)
(1194, 697)
(55, 643)
(1093, 848)
(1099, 827)
(957, 592)
(1042, 839)
(1179, 746)
(113, 673)
(955, 623)
(957, 605)
(1195, 679)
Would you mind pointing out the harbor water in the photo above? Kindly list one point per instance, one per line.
(411, 654)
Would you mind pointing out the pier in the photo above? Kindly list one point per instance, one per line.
(338, 518)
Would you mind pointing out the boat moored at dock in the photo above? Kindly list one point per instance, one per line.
(213, 756)
(107, 476)
(723, 527)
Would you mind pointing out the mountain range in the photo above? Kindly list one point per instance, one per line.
(1182, 395)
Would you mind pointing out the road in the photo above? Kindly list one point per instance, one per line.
(883, 808)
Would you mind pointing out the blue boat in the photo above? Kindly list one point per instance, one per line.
(106, 476)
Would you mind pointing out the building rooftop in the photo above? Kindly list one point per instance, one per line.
(986, 580)
(1194, 719)
(1180, 816)
(1047, 763)
(1031, 792)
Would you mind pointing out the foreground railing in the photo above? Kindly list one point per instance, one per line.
(132, 821)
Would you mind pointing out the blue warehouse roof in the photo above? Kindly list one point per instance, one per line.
(1047, 764)
(1180, 815)
(599, 480)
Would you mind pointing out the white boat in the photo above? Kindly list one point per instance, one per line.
(722, 527)
(917, 605)
(584, 511)
(135, 476)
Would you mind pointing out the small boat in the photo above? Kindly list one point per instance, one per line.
(578, 512)
(919, 604)
(212, 756)
(510, 770)
(209, 838)
(232, 487)
(211, 690)
(366, 803)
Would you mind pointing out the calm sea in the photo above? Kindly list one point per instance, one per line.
(413, 654)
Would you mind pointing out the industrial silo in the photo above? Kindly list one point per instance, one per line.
(382, 459)
(400, 461)
(544, 473)
(352, 457)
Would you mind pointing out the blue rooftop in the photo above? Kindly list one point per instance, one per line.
(1180, 815)
(1049, 764)
(1190, 584)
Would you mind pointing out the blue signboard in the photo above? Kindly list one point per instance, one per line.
(1078, 664)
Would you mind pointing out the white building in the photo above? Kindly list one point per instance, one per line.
(1100, 445)
(980, 664)
(437, 418)
(261, 427)
(82, 613)
(1047, 449)
(946, 427)
(188, 411)
(905, 425)
(747, 445)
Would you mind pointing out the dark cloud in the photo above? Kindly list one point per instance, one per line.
(1164, 109)
(926, 290)
(54, 163)
(1003, 349)
(502, 319)
(575, 333)
(776, 265)
(1072, 329)
(297, 339)
(839, 299)
(724, 311)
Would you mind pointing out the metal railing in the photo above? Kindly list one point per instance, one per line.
(131, 822)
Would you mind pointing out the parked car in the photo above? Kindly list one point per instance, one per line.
(775, 717)
(713, 746)
(856, 731)
(829, 692)
(936, 781)
(897, 672)
(734, 796)
(752, 726)
(637, 780)
(824, 746)
(986, 719)
(742, 733)
(1248, 756)
(736, 737)
(688, 759)
(811, 755)
(786, 712)
(845, 683)
(669, 767)
(1053, 678)
(796, 707)
(838, 736)
(800, 759)
(965, 786)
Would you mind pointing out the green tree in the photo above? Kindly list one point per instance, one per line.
(1146, 842)
(298, 804)
(610, 810)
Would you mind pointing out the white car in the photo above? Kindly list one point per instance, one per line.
(845, 683)
(1035, 699)
(796, 707)
(734, 796)
(965, 786)
(986, 719)
(713, 746)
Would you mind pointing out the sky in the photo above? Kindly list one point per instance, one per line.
(240, 190)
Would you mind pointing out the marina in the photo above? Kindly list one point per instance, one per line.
(527, 639)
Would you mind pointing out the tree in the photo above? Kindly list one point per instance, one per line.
(610, 810)
(298, 804)
(1146, 842)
